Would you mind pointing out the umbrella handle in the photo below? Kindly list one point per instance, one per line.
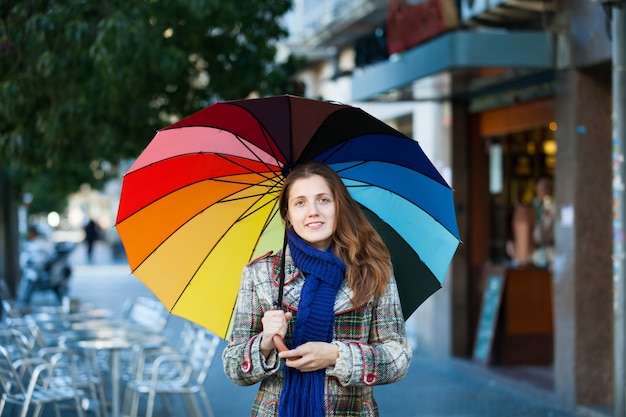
(280, 343)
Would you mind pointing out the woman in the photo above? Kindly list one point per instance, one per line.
(342, 315)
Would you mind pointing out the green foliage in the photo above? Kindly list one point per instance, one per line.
(86, 80)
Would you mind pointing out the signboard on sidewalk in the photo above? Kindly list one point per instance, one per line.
(492, 298)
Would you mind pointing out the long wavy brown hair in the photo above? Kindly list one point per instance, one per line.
(355, 241)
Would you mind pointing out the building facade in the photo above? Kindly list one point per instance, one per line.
(500, 94)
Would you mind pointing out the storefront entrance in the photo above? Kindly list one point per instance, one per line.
(514, 322)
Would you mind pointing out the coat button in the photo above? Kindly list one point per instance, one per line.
(369, 379)
(245, 366)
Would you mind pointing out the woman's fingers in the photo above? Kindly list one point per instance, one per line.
(311, 356)
(274, 329)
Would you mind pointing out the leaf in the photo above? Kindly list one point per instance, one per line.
(90, 80)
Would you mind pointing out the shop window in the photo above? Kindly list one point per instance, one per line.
(517, 162)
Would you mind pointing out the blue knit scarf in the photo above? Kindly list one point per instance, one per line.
(303, 392)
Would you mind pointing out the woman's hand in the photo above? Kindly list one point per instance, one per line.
(274, 323)
(311, 356)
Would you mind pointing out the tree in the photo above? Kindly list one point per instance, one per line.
(86, 83)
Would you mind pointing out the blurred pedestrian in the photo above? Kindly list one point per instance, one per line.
(533, 228)
(35, 255)
(92, 234)
(543, 224)
(37, 249)
(343, 321)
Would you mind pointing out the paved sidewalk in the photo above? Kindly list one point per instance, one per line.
(432, 388)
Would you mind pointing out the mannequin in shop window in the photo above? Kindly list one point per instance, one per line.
(533, 229)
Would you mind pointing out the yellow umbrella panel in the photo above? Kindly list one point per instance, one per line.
(192, 284)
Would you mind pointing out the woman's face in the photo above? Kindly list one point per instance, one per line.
(311, 211)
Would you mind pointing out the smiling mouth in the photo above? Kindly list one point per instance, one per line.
(315, 225)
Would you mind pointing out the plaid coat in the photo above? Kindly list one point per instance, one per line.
(373, 347)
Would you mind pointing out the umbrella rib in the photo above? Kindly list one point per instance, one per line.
(222, 236)
(270, 151)
(337, 149)
(244, 141)
(345, 143)
(251, 171)
(232, 132)
(267, 223)
(268, 140)
(258, 208)
(268, 186)
(367, 184)
(225, 199)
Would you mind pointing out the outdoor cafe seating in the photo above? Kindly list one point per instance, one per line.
(31, 381)
(166, 371)
(79, 359)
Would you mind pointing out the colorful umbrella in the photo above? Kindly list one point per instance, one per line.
(201, 200)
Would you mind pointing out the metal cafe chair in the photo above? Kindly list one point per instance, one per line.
(185, 377)
(30, 382)
(145, 312)
(81, 371)
(23, 339)
(73, 367)
(143, 355)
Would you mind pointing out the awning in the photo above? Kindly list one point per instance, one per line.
(454, 51)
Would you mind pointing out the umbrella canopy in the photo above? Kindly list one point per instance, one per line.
(201, 200)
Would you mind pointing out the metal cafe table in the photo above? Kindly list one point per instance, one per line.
(112, 337)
